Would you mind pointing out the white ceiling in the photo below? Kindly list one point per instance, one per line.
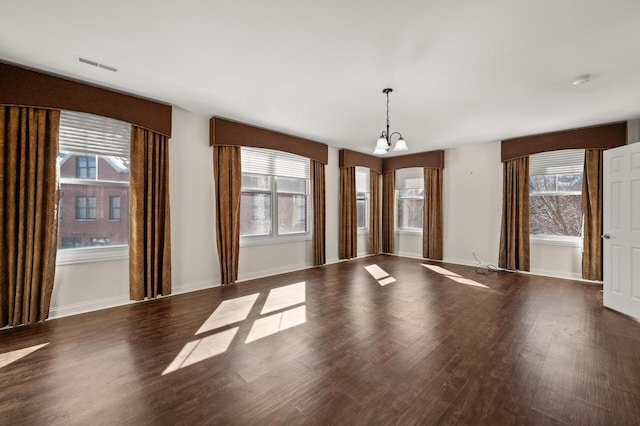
(462, 71)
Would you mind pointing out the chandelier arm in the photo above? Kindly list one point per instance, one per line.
(394, 133)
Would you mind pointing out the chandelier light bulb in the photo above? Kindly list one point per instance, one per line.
(401, 145)
(381, 146)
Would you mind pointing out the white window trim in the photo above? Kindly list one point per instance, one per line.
(263, 240)
(555, 240)
(274, 237)
(409, 231)
(91, 254)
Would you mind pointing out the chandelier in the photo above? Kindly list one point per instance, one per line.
(384, 141)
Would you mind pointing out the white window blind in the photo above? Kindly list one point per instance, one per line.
(276, 163)
(568, 161)
(362, 179)
(84, 133)
(410, 178)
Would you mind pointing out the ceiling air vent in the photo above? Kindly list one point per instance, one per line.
(96, 64)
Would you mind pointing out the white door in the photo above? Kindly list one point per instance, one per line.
(621, 229)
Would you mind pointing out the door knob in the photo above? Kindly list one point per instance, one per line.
(606, 236)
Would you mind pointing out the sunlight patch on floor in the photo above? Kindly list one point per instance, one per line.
(380, 275)
(229, 312)
(441, 270)
(10, 357)
(235, 312)
(273, 324)
(202, 349)
(285, 297)
(453, 276)
(386, 281)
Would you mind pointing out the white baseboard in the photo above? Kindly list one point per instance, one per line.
(557, 274)
(270, 272)
(112, 302)
(187, 288)
(93, 305)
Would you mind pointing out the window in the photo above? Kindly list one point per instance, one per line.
(409, 198)
(86, 167)
(85, 208)
(275, 196)
(362, 198)
(71, 242)
(93, 165)
(114, 207)
(555, 196)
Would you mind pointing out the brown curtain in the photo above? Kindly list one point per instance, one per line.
(28, 212)
(319, 216)
(432, 214)
(592, 211)
(227, 173)
(348, 214)
(374, 212)
(514, 235)
(150, 219)
(388, 205)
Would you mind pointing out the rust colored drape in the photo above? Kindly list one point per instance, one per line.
(28, 212)
(227, 182)
(319, 213)
(149, 226)
(374, 212)
(592, 211)
(432, 214)
(514, 235)
(388, 207)
(348, 216)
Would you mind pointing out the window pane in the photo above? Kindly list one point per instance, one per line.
(256, 182)
(410, 204)
(542, 183)
(361, 210)
(556, 215)
(292, 214)
(292, 185)
(255, 213)
(114, 208)
(569, 182)
(91, 224)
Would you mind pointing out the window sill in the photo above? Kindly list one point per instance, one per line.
(91, 254)
(409, 231)
(555, 240)
(363, 231)
(269, 240)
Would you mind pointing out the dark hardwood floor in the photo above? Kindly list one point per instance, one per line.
(334, 346)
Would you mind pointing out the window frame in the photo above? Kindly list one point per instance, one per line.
(113, 208)
(363, 196)
(87, 217)
(397, 197)
(550, 239)
(275, 237)
(116, 132)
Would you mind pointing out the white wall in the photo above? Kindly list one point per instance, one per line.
(472, 203)
(633, 131)
(84, 287)
(194, 256)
